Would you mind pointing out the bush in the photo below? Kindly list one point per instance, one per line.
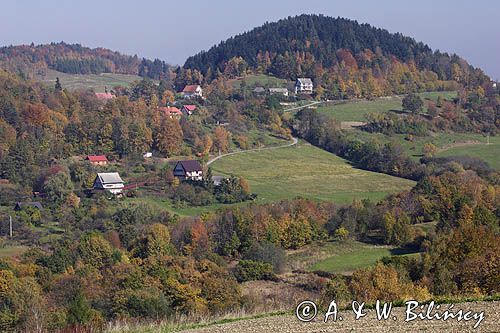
(267, 253)
(248, 270)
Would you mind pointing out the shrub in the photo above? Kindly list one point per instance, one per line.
(248, 270)
(267, 253)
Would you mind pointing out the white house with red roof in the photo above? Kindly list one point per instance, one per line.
(171, 111)
(97, 159)
(193, 90)
(188, 109)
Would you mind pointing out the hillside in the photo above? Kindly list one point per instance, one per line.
(32, 60)
(363, 59)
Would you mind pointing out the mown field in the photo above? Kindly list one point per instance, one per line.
(309, 172)
(98, 82)
(297, 171)
(355, 110)
(489, 153)
(261, 80)
(340, 256)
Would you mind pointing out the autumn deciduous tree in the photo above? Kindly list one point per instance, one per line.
(169, 137)
(167, 97)
(7, 137)
(221, 139)
(58, 187)
(429, 149)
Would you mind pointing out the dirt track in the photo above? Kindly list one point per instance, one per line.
(290, 324)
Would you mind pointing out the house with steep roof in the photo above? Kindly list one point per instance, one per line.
(109, 181)
(27, 204)
(192, 90)
(188, 109)
(188, 170)
(303, 85)
(97, 159)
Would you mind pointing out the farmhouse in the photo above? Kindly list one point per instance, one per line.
(33, 204)
(303, 86)
(259, 90)
(171, 111)
(105, 96)
(188, 109)
(278, 91)
(191, 91)
(188, 170)
(110, 181)
(97, 159)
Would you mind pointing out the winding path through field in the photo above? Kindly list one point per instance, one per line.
(294, 142)
(294, 139)
(302, 106)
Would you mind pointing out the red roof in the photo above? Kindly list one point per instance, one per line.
(190, 107)
(170, 110)
(97, 158)
(190, 88)
(105, 95)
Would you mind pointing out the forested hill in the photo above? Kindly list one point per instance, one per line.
(76, 59)
(299, 46)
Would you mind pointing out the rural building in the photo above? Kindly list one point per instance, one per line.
(171, 111)
(148, 155)
(110, 181)
(191, 91)
(97, 159)
(217, 180)
(33, 204)
(278, 91)
(188, 170)
(259, 90)
(105, 95)
(188, 109)
(303, 86)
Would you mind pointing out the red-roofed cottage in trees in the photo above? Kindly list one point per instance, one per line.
(97, 159)
(171, 111)
(191, 91)
(188, 109)
(105, 95)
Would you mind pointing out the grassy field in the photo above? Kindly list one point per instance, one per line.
(309, 172)
(487, 152)
(85, 81)
(12, 251)
(260, 80)
(287, 173)
(448, 144)
(340, 256)
(356, 110)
